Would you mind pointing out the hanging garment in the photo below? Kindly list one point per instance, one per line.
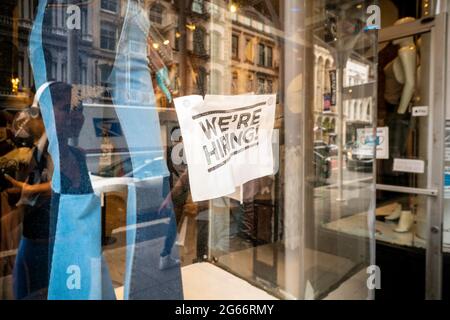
(81, 273)
(75, 259)
(135, 106)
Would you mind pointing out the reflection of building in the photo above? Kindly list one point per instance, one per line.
(228, 53)
(325, 113)
(357, 112)
(237, 53)
(254, 54)
(96, 44)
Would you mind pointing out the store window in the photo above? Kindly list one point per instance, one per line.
(118, 198)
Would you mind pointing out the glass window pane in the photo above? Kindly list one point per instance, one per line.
(287, 87)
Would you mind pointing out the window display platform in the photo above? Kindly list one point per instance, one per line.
(253, 263)
(357, 225)
(354, 288)
(215, 284)
(400, 256)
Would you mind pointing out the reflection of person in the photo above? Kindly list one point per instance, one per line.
(192, 216)
(30, 274)
(75, 214)
(69, 120)
(166, 261)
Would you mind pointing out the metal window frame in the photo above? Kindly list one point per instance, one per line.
(437, 27)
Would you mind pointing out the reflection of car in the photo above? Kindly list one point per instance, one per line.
(357, 158)
(322, 162)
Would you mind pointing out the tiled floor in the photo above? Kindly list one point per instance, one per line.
(354, 288)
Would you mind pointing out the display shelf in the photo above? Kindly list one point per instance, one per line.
(446, 248)
(357, 225)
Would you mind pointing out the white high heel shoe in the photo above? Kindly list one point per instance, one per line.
(406, 222)
(395, 214)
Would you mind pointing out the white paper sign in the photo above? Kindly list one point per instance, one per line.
(420, 111)
(383, 143)
(408, 165)
(227, 141)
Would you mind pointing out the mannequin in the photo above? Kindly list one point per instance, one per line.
(399, 91)
(401, 72)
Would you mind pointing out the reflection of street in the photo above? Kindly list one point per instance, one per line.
(348, 176)
(356, 193)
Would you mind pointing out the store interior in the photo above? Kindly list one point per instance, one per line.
(304, 232)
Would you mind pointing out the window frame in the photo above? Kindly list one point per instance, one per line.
(108, 7)
(261, 54)
(269, 57)
(198, 4)
(158, 14)
(102, 35)
(235, 51)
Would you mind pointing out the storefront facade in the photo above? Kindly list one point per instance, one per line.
(313, 168)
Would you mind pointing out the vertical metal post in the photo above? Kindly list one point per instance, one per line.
(436, 138)
(298, 102)
(340, 135)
